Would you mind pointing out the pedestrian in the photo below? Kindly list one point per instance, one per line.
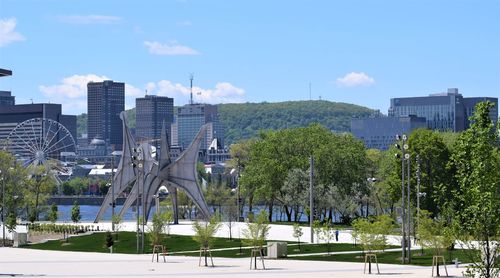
(337, 235)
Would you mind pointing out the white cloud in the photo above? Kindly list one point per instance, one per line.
(172, 48)
(7, 33)
(71, 87)
(354, 79)
(89, 19)
(71, 92)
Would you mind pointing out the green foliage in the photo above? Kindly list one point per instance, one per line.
(434, 155)
(53, 214)
(255, 233)
(372, 234)
(297, 231)
(317, 230)
(109, 240)
(75, 213)
(433, 233)
(157, 228)
(474, 203)
(246, 120)
(205, 231)
(81, 125)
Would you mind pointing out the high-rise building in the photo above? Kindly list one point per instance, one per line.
(380, 132)
(150, 114)
(191, 117)
(105, 101)
(448, 111)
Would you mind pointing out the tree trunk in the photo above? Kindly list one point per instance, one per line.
(288, 213)
(271, 205)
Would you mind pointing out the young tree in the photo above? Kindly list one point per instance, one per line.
(109, 241)
(433, 233)
(297, 232)
(372, 234)
(75, 213)
(475, 203)
(205, 232)
(157, 228)
(53, 214)
(256, 233)
(117, 221)
(317, 230)
(328, 234)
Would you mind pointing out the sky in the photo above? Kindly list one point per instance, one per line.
(360, 52)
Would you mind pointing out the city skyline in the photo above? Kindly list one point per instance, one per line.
(355, 52)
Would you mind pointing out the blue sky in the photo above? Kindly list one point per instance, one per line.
(361, 52)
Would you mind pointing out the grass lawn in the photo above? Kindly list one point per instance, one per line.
(126, 243)
(392, 257)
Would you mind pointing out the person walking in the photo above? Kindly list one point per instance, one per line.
(337, 235)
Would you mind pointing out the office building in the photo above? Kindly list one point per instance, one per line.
(105, 101)
(5, 96)
(448, 111)
(189, 120)
(380, 132)
(150, 114)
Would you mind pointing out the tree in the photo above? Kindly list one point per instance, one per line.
(157, 228)
(39, 188)
(117, 221)
(474, 204)
(317, 230)
(109, 241)
(255, 233)
(433, 155)
(433, 233)
(14, 178)
(75, 213)
(372, 234)
(53, 214)
(328, 234)
(205, 232)
(297, 232)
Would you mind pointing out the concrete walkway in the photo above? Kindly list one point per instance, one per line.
(18, 262)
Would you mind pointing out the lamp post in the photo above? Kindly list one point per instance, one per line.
(405, 194)
(112, 193)
(3, 208)
(311, 214)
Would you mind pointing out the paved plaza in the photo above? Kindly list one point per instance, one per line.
(18, 262)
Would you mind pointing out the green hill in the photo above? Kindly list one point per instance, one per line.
(245, 120)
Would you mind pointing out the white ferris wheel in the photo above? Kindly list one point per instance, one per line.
(41, 141)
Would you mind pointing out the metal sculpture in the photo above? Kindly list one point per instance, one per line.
(138, 166)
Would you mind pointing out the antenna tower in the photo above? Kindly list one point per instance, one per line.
(191, 77)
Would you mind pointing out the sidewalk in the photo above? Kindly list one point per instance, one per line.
(26, 262)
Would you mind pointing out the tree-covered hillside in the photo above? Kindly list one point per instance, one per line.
(245, 120)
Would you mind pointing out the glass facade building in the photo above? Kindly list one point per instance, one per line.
(105, 101)
(448, 111)
(380, 133)
(151, 111)
(189, 120)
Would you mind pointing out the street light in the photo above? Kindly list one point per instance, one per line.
(405, 194)
(3, 208)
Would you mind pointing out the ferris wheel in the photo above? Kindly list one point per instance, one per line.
(41, 141)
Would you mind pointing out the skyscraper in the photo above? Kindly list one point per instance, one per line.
(5, 96)
(150, 113)
(191, 117)
(105, 101)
